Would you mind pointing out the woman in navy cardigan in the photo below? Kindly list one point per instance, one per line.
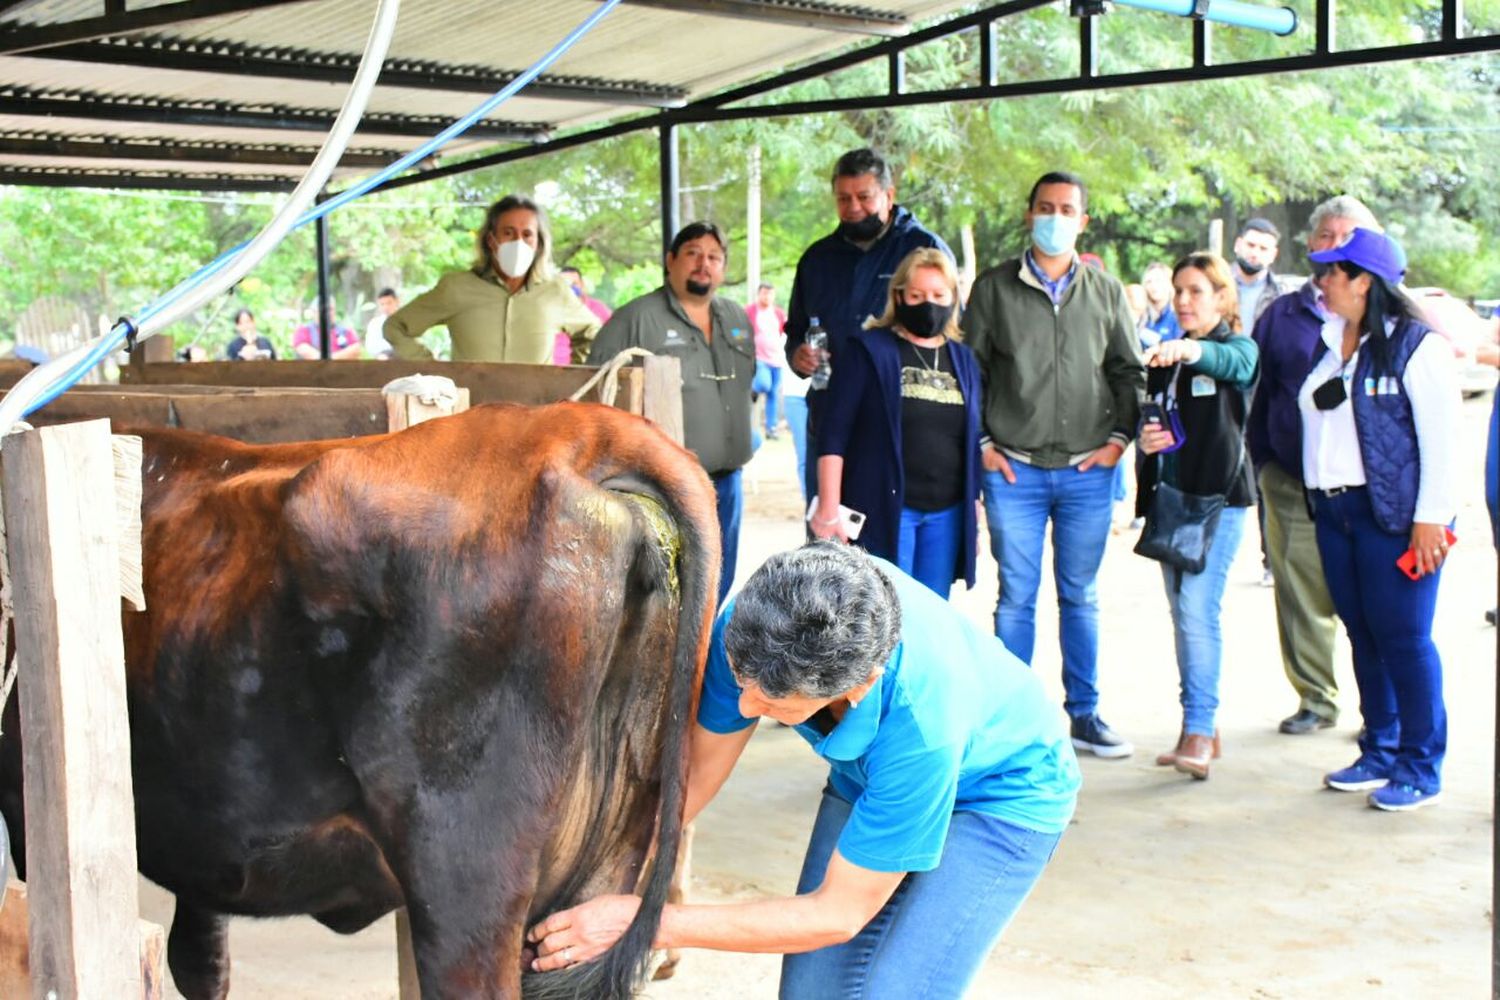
(899, 441)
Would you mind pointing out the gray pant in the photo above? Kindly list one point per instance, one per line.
(1305, 622)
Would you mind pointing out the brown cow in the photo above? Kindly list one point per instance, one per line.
(450, 669)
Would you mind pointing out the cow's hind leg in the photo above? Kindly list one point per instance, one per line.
(198, 953)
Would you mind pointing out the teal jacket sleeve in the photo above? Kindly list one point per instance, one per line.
(1236, 361)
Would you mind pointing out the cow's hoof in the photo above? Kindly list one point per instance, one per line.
(668, 968)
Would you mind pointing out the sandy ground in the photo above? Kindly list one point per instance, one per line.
(1256, 883)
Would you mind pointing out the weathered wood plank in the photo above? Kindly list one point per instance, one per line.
(15, 969)
(61, 528)
(662, 400)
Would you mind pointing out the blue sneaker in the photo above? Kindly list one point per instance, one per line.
(1400, 797)
(1357, 777)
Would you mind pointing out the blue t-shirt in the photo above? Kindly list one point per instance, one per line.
(955, 723)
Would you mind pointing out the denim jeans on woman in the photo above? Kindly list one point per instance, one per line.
(1195, 603)
(1079, 506)
(768, 383)
(927, 546)
(932, 936)
(1389, 618)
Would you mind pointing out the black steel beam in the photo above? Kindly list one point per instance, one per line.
(104, 107)
(1453, 20)
(1325, 39)
(1088, 47)
(105, 148)
(706, 111)
(794, 13)
(25, 38)
(865, 53)
(48, 177)
(671, 218)
(232, 59)
(1203, 42)
(325, 297)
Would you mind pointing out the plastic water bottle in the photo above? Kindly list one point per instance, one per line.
(817, 339)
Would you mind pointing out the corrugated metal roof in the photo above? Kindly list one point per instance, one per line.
(272, 74)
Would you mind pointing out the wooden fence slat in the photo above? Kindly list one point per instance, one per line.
(80, 815)
(662, 399)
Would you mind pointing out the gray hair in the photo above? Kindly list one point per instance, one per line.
(1343, 206)
(813, 623)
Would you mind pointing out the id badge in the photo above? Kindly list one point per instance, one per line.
(1204, 385)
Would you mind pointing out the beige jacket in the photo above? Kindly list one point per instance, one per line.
(488, 323)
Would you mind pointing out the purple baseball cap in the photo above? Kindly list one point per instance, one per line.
(1375, 252)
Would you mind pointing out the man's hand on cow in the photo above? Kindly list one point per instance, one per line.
(581, 934)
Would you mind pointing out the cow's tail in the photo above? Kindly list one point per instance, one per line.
(688, 497)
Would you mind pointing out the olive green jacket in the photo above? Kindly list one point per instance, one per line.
(488, 323)
(1059, 380)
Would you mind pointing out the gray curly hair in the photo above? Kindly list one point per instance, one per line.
(813, 623)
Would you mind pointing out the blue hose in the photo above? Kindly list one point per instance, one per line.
(111, 341)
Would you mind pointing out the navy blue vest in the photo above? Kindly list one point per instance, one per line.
(1387, 432)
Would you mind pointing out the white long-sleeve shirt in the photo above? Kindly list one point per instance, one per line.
(1330, 444)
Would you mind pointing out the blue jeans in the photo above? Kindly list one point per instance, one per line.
(768, 383)
(731, 503)
(1078, 504)
(796, 421)
(934, 933)
(1389, 618)
(927, 546)
(1194, 599)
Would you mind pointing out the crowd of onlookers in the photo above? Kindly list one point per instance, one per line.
(1330, 406)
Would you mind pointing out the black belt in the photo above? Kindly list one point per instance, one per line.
(1337, 490)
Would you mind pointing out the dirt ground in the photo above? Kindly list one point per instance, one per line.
(1257, 883)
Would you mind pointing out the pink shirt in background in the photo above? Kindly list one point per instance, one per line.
(562, 346)
(770, 341)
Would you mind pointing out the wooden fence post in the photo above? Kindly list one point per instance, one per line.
(662, 404)
(61, 526)
(407, 410)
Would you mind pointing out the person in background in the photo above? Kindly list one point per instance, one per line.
(1204, 378)
(1381, 418)
(950, 784)
(768, 320)
(1062, 384)
(686, 319)
(386, 303)
(1487, 352)
(1160, 322)
(794, 405)
(508, 306)
(343, 342)
(1289, 335)
(844, 278)
(562, 346)
(248, 344)
(1255, 250)
(901, 441)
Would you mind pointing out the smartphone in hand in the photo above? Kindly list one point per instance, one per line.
(1408, 561)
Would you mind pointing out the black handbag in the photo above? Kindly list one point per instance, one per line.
(1180, 526)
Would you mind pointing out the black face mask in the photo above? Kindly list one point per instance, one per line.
(925, 319)
(863, 231)
(1247, 267)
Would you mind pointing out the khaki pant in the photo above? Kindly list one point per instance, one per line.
(1305, 622)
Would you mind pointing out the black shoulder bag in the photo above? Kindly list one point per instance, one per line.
(1180, 526)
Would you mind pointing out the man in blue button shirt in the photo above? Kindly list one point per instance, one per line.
(951, 779)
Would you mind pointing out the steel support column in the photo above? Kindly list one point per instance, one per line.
(670, 182)
(325, 331)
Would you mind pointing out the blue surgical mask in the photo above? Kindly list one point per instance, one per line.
(1054, 235)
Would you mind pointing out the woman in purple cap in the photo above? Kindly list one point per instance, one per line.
(1380, 413)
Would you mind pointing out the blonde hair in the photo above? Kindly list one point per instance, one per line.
(925, 257)
(1216, 270)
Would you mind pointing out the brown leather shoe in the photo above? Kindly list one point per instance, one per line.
(1195, 754)
(1168, 758)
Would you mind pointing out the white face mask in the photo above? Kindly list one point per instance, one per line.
(514, 258)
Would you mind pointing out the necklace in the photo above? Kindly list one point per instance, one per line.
(935, 353)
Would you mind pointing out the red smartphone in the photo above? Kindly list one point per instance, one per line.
(1408, 561)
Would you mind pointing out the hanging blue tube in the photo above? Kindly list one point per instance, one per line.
(1277, 20)
(111, 342)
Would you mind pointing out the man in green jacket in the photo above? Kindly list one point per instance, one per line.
(715, 342)
(1063, 380)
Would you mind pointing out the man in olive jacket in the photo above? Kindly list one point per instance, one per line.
(1063, 381)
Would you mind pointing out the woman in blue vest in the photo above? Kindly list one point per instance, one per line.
(1203, 381)
(899, 441)
(951, 778)
(1380, 415)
